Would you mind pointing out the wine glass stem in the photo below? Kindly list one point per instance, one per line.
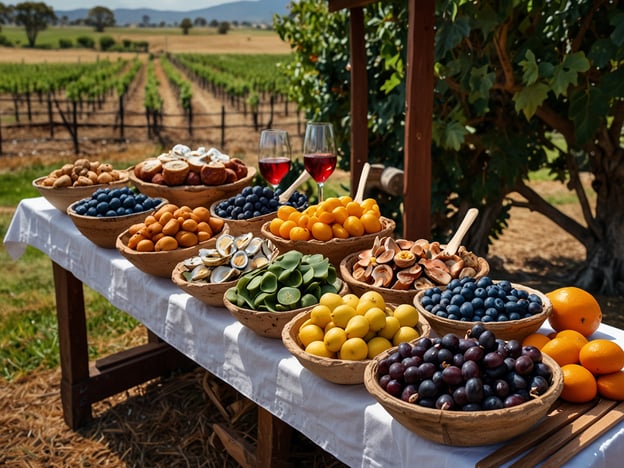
(320, 191)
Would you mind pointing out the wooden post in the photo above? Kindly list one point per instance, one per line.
(222, 126)
(418, 120)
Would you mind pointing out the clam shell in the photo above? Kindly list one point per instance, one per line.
(200, 272)
(254, 246)
(193, 262)
(239, 260)
(242, 241)
(225, 245)
(223, 273)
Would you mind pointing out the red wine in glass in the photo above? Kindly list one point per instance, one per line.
(273, 170)
(320, 165)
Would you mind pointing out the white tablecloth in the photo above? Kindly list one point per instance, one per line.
(344, 420)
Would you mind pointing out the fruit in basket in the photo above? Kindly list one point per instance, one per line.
(171, 227)
(447, 373)
(291, 281)
(475, 300)
(256, 201)
(366, 318)
(574, 309)
(115, 202)
(402, 264)
(332, 218)
(81, 172)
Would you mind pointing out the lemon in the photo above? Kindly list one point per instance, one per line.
(369, 336)
(392, 326)
(341, 315)
(404, 334)
(407, 315)
(371, 297)
(320, 315)
(331, 300)
(357, 327)
(310, 333)
(351, 300)
(318, 348)
(334, 339)
(377, 345)
(329, 326)
(354, 349)
(376, 317)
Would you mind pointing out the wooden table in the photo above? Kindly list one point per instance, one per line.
(344, 420)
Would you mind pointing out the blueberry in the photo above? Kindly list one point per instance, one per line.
(246, 191)
(466, 310)
(239, 201)
(467, 293)
(436, 298)
(129, 202)
(81, 209)
(505, 285)
(121, 211)
(453, 309)
(453, 284)
(114, 203)
(477, 303)
(425, 301)
(484, 282)
(488, 302)
(102, 207)
(110, 213)
(502, 318)
(499, 304)
(92, 211)
(138, 208)
(267, 192)
(457, 299)
(534, 308)
(258, 190)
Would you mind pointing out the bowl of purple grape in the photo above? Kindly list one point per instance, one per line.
(465, 390)
(510, 310)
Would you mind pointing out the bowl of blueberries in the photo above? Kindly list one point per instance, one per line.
(510, 310)
(252, 207)
(109, 212)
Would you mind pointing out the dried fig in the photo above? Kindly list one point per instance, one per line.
(213, 173)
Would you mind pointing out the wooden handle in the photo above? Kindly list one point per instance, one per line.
(359, 194)
(285, 196)
(455, 242)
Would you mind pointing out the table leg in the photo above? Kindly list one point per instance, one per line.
(83, 383)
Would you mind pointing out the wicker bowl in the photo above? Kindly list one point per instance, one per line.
(192, 195)
(508, 330)
(464, 428)
(62, 197)
(391, 295)
(104, 230)
(339, 371)
(209, 293)
(335, 249)
(159, 263)
(241, 226)
(264, 323)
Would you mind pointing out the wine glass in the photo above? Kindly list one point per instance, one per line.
(319, 153)
(274, 155)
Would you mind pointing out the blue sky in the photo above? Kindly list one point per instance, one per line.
(175, 5)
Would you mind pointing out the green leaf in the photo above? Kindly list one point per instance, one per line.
(480, 83)
(528, 99)
(587, 110)
(566, 73)
(617, 36)
(613, 83)
(454, 134)
(451, 34)
(601, 52)
(530, 68)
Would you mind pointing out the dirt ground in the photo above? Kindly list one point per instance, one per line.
(168, 422)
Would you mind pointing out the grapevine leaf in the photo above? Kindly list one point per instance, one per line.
(586, 110)
(566, 73)
(480, 83)
(613, 83)
(528, 99)
(454, 134)
(450, 35)
(601, 52)
(530, 68)
(617, 36)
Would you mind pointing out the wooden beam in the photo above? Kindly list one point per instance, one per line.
(418, 120)
(335, 5)
(359, 96)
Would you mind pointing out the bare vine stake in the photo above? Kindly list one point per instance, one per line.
(50, 118)
(222, 126)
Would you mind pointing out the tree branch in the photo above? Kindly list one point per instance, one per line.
(500, 43)
(537, 203)
(615, 129)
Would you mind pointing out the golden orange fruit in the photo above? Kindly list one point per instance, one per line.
(574, 309)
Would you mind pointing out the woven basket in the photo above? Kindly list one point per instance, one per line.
(390, 295)
(159, 263)
(242, 226)
(192, 195)
(60, 198)
(209, 293)
(465, 428)
(339, 371)
(104, 230)
(508, 330)
(335, 249)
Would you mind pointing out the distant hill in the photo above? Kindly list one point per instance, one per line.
(255, 12)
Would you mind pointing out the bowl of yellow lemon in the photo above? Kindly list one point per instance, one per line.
(336, 339)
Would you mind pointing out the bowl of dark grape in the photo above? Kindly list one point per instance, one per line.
(465, 390)
(108, 212)
(248, 210)
(510, 310)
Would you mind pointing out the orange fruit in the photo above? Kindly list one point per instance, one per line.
(563, 350)
(274, 226)
(284, 230)
(299, 233)
(339, 231)
(326, 217)
(322, 231)
(611, 385)
(371, 222)
(345, 200)
(340, 214)
(574, 309)
(535, 339)
(579, 385)
(354, 226)
(284, 211)
(370, 204)
(354, 209)
(303, 220)
(573, 335)
(602, 356)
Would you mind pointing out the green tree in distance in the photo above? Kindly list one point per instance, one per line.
(520, 86)
(35, 17)
(186, 24)
(100, 17)
(6, 12)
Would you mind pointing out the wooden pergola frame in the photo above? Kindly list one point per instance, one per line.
(419, 108)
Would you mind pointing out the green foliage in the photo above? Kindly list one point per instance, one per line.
(35, 17)
(65, 43)
(85, 41)
(107, 42)
(100, 17)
